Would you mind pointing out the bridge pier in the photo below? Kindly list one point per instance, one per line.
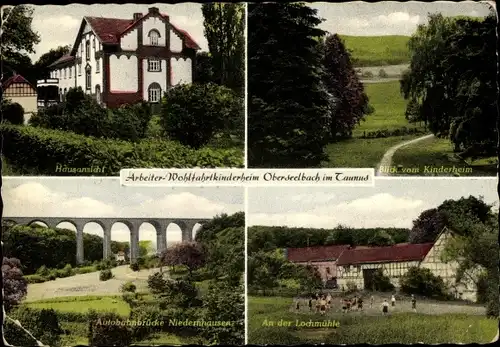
(134, 243)
(187, 231)
(80, 258)
(106, 243)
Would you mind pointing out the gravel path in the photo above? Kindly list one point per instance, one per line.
(387, 158)
(88, 284)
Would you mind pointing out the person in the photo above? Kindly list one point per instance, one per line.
(328, 300)
(317, 305)
(348, 302)
(413, 303)
(385, 307)
(322, 304)
(360, 304)
(355, 302)
(371, 301)
(297, 305)
(393, 300)
(310, 304)
(344, 305)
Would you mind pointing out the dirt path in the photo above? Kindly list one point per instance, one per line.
(89, 284)
(387, 158)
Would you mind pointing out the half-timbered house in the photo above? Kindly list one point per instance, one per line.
(18, 90)
(124, 61)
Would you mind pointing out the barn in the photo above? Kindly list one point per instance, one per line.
(18, 90)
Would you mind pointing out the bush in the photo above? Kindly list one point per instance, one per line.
(154, 129)
(43, 324)
(382, 73)
(67, 271)
(128, 287)
(12, 112)
(156, 283)
(29, 148)
(43, 271)
(100, 334)
(146, 313)
(179, 293)
(351, 286)
(135, 267)
(423, 282)
(193, 113)
(383, 133)
(381, 282)
(105, 275)
(36, 278)
(367, 74)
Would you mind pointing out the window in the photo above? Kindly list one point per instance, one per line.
(79, 69)
(93, 43)
(64, 73)
(98, 93)
(97, 66)
(328, 270)
(88, 77)
(154, 35)
(87, 50)
(154, 92)
(154, 65)
(64, 93)
(55, 74)
(60, 94)
(81, 49)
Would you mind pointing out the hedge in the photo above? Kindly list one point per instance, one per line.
(30, 148)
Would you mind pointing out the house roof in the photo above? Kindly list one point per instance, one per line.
(65, 58)
(15, 79)
(317, 253)
(396, 253)
(109, 30)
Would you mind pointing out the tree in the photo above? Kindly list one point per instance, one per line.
(422, 281)
(15, 286)
(342, 82)
(381, 238)
(289, 108)
(224, 29)
(204, 68)
(427, 226)
(42, 64)
(189, 254)
(452, 76)
(145, 248)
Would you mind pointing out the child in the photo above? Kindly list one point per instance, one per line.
(413, 303)
(354, 303)
(360, 304)
(348, 302)
(393, 300)
(385, 307)
(344, 305)
(371, 301)
(297, 305)
(322, 304)
(310, 304)
(328, 300)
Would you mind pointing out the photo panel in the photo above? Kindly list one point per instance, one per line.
(90, 262)
(91, 89)
(406, 88)
(400, 262)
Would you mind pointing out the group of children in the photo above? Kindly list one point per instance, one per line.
(323, 303)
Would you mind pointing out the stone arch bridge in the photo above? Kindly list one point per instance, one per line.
(160, 224)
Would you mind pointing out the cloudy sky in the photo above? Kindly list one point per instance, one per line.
(388, 17)
(58, 25)
(105, 197)
(391, 203)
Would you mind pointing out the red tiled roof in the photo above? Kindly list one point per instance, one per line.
(317, 253)
(63, 59)
(109, 30)
(14, 79)
(399, 252)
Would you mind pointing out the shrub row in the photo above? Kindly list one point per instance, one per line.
(388, 133)
(46, 150)
(43, 274)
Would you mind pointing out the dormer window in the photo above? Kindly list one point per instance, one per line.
(154, 65)
(154, 36)
(87, 50)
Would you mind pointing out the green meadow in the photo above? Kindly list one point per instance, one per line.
(378, 50)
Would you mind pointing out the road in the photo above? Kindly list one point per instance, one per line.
(89, 284)
(387, 158)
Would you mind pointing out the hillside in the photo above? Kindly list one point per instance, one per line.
(378, 50)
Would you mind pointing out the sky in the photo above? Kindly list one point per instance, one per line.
(105, 197)
(360, 18)
(58, 25)
(390, 203)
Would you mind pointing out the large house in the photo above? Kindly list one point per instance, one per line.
(124, 61)
(358, 264)
(18, 90)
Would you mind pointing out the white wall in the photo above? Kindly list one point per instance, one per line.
(129, 41)
(124, 75)
(151, 77)
(175, 42)
(29, 103)
(153, 23)
(181, 71)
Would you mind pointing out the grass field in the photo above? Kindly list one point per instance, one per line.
(356, 328)
(378, 50)
(438, 153)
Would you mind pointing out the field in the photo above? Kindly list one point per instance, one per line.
(435, 322)
(378, 50)
(437, 153)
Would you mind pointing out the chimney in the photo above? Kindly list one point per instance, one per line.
(137, 16)
(154, 10)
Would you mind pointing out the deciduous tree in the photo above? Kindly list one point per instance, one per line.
(15, 286)
(189, 254)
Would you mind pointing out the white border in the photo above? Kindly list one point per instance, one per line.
(245, 154)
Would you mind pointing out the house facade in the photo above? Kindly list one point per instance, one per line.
(18, 90)
(322, 258)
(125, 61)
(359, 264)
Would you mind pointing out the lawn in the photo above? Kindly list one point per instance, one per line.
(354, 328)
(437, 153)
(378, 50)
(82, 304)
